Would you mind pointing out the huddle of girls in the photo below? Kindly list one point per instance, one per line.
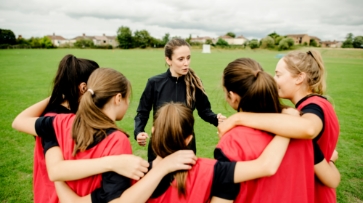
(263, 155)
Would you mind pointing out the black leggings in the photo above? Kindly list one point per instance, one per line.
(151, 155)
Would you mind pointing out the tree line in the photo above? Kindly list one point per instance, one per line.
(142, 39)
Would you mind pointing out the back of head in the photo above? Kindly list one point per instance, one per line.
(311, 63)
(71, 73)
(173, 123)
(91, 123)
(257, 89)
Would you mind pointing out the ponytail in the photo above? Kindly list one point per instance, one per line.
(91, 124)
(256, 88)
(192, 82)
(70, 74)
(173, 123)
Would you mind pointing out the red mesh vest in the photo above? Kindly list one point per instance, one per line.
(294, 180)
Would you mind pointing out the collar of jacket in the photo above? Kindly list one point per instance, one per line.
(174, 78)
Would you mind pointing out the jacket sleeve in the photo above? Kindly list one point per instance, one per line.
(204, 108)
(144, 108)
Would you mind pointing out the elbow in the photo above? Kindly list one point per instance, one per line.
(270, 168)
(15, 124)
(53, 175)
(335, 184)
(310, 133)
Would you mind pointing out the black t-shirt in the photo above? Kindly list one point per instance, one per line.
(223, 175)
(112, 185)
(318, 111)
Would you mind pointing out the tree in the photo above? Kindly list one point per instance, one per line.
(278, 39)
(348, 43)
(7, 37)
(46, 42)
(84, 43)
(165, 39)
(313, 43)
(231, 34)
(222, 43)
(253, 44)
(267, 42)
(208, 41)
(142, 39)
(358, 42)
(124, 37)
(286, 44)
(274, 35)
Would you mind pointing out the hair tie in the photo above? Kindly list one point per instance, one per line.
(256, 74)
(90, 90)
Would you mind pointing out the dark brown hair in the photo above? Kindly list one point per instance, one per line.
(257, 89)
(192, 81)
(173, 123)
(71, 73)
(91, 123)
(311, 63)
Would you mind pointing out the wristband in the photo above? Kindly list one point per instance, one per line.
(332, 161)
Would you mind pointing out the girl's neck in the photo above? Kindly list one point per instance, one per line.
(299, 95)
(66, 105)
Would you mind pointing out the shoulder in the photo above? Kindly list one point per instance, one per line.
(118, 142)
(159, 77)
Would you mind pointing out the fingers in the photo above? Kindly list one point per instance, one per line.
(142, 138)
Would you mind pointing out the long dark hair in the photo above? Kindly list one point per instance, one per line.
(71, 73)
(257, 89)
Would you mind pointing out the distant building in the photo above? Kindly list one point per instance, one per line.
(331, 44)
(240, 40)
(303, 39)
(57, 40)
(105, 40)
(201, 40)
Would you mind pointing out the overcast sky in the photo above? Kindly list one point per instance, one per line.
(326, 19)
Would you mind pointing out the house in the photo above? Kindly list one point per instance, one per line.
(304, 39)
(84, 36)
(300, 38)
(240, 40)
(331, 44)
(105, 40)
(201, 40)
(57, 40)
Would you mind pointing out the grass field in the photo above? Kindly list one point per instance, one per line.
(26, 77)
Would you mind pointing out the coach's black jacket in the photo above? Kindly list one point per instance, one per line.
(164, 88)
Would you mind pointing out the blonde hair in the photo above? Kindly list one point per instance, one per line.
(173, 123)
(192, 81)
(91, 124)
(311, 63)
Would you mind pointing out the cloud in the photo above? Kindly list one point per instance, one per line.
(326, 19)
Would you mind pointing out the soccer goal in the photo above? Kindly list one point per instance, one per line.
(206, 48)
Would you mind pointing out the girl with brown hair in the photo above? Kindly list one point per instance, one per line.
(93, 133)
(178, 84)
(300, 77)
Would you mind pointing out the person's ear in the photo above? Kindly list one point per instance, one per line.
(300, 78)
(188, 139)
(235, 98)
(118, 98)
(82, 87)
(168, 61)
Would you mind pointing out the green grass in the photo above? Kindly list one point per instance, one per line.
(26, 76)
